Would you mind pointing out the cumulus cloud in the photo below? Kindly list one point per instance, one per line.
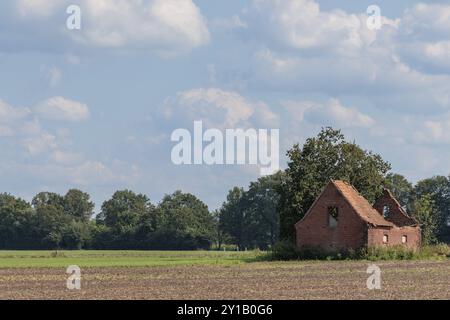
(9, 113)
(59, 108)
(217, 108)
(331, 113)
(23, 124)
(167, 27)
(433, 130)
(424, 20)
(37, 8)
(301, 24)
(424, 38)
(33, 149)
(40, 143)
(303, 49)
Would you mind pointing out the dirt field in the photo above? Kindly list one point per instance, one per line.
(277, 280)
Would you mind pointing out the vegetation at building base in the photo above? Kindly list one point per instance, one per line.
(257, 217)
(286, 250)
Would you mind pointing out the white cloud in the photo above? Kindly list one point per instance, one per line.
(9, 113)
(46, 156)
(59, 108)
(167, 27)
(301, 24)
(37, 8)
(423, 39)
(40, 143)
(424, 20)
(22, 125)
(433, 130)
(331, 113)
(303, 49)
(218, 108)
(158, 23)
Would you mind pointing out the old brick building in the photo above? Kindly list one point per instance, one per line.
(341, 218)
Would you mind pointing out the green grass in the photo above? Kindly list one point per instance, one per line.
(49, 259)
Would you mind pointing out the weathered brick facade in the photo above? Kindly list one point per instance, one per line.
(357, 223)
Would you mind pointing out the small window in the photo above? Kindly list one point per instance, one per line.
(385, 238)
(404, 239)
(333, 214)
(386, 211)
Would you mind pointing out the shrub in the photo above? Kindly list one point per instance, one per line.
(438, 250)
(390, 253)
(286, 250)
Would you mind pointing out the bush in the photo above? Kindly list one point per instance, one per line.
(390, 253)
(438, 250)
(286, 250)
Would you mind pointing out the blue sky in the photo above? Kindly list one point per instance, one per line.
(90, 108)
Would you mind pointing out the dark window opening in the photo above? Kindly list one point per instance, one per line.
(386, 211)
(333, 215)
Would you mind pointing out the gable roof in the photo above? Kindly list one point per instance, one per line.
(360, 204)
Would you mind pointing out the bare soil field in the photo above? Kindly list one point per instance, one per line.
(259, 280)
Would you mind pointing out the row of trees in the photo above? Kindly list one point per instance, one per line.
(254, 218)
(126, 221)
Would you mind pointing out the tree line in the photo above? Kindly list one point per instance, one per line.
(126, 221)
(256, 217)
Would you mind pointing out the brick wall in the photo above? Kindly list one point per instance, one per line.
(375, 236)
(313, 230)
(396, 215)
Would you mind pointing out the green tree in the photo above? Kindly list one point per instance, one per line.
(401, 188)
(76, 234)
(51, 220)
(262, 221)
(220, 236)
(232, 216)
(438, 188)
(78, 205)
(183, 222)
(17, 223)
(63, 222)
(323, 158)
(48, 199)
(122, 215)
(427, 216)
(251, 218)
